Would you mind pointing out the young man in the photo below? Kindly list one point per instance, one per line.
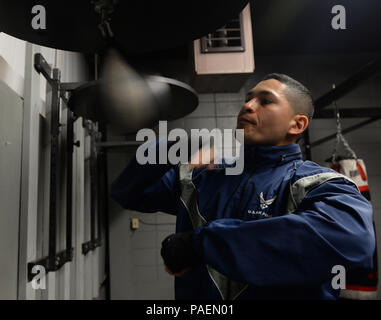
(277, 230)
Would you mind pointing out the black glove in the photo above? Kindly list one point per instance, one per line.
(178, 252)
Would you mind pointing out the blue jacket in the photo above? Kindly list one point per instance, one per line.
(273, 232)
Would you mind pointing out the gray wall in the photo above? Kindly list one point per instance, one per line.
(136, 267)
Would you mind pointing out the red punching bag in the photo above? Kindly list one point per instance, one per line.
(361, 284)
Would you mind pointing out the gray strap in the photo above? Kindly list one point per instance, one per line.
(222, 283)
(189, 199)
(300, 188)
(297, 193)
(189, 195)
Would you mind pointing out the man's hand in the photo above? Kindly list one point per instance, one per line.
(203, 157)
(178, 253)
(176, 274)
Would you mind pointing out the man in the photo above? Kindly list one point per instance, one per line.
(276, 231)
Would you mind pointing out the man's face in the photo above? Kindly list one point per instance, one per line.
(266, 115)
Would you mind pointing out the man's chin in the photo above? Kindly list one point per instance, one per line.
(249, 141)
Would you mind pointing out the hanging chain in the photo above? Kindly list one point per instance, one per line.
(340, 137)
(105, 8)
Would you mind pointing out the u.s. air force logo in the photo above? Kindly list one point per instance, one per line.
(264, 204)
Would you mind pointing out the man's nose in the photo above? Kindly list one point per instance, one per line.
(250, 106)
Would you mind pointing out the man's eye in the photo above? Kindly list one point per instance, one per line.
(265, 101)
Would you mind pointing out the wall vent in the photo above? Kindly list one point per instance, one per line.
(223, 60)
(228, 38)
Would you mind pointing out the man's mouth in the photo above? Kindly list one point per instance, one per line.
(243, 119)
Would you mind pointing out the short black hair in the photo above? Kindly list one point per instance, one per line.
(297, 95)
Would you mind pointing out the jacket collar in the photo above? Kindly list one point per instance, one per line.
(271, 155)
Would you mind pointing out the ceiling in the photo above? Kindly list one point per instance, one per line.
(292, 27)
(285, 27)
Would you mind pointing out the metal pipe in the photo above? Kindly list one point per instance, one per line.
(69, 184)
(347, 130)
(349, 113)
(55, 112)
(105, 196)
(365, 73)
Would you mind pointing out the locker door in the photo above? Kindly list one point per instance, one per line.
(11, 113)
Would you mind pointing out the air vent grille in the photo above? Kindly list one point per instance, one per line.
(229, 38)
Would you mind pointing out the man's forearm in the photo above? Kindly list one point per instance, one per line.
(145, 187)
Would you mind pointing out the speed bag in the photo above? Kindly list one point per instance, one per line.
(361, 284)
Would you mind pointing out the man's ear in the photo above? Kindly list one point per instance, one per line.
(298, 124)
